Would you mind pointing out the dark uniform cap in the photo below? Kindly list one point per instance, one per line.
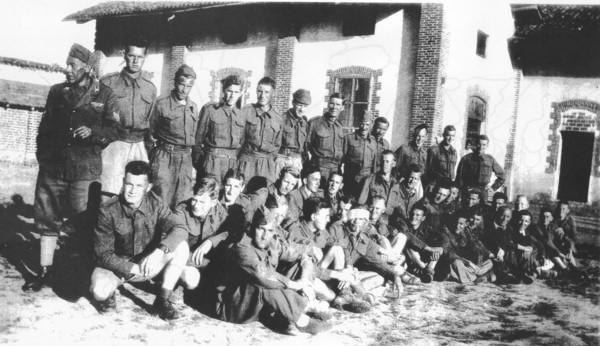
(302, 96)
(80, 52)
(185, 70)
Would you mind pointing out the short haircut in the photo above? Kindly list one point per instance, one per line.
(382, 120)
(524, 212)
(444, 183)
(500, 195)
(501, 211)
(412, 168)
(336, 96)
(377, 197)
(312, 205)
(267, 81)
(334, 173)
(520, 196)
(389, 152)
(449, 128)
(208, 184)
(139, 168)
(309, 169)
(477, 210)
(420, 206)
(348, 198)
(289, 170)
(474, 191)
(230, 80)
(420, 127)
(483, 138)
(234, 174)
(136, 42)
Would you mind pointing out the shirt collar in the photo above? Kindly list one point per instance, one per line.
(129, 79)
(174, 103)
(144, 207)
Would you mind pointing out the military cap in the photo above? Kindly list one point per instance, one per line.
(80, 52)
(186, 71)
(302, 96)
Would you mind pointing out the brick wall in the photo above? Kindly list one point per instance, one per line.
(510, 146)
(18, 130)
(283, 72)
(426, 105)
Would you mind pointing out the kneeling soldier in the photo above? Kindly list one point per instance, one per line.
(128, 246)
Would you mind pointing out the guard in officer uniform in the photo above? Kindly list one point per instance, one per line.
(173, 121)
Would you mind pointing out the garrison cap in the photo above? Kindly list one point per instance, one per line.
(80, 52)
(302, 96)
(186, 71)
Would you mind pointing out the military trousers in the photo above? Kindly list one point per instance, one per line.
(114, 159)
(172, 173)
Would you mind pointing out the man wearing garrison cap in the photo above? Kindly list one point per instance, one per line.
(173, 124)
(360, 153)
(128, 95)
(295, 127)
(70, 138)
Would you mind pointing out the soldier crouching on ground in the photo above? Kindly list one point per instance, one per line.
(128, 246)
(173, 123)
(69, 142)
(253, 287)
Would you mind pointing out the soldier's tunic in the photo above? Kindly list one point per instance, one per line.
(293, 142)
(219, 138)
(359, 158)
(68, 165)
(128, 101)
(326, 144)
(173, 125)
(262, 142)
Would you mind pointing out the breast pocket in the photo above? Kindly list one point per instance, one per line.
(486, 171)
(143, 111)
(237, 130)
(272, 132)
(123, 235)
(289, 136)
(217, 129)
(324, 139)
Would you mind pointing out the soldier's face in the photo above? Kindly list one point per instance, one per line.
(344, 210)
(420, 137)
(525, 221)
(477, 221)
(417, 216)
(321, 218)
(313, 181)
(413, 179)
(388, 162)
(522, 203)
(548, 218)
(380, 129)
(232, 94)
(499, 202)
(335, 107)
(299, 108)
(377, 209)
(75, 71)
(264, 93)
(453, 194)
(449, 137)
(263, 235)
(461, 224)
(183, 86)
(441, 195)
(334, 185)
(480, 146)
(134, 59)
(504, 218)
(357, 224)
(364, 127)
(201, 205)
(135, 188)
(473, 200)
(564, 211)
(287, 184)
(233, 188)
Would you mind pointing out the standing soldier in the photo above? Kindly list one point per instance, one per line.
(326, 137)
(475, 169)
(173, 123)
(262, 135)
(129, 98)
(441, 159)
(413, 152)
(360, 153)
(69, 142)
(295, 126)
(380, 127)
(220, 132)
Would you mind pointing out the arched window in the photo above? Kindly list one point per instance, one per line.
(217, 76)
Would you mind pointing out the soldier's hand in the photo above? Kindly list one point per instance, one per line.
(152, 263)
(200, 252)
(82, 132)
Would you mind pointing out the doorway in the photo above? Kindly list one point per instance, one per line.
(575, 165)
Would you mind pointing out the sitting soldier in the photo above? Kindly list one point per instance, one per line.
(127, 243)
(252, 285)
(240, 206)
(334, 193)
(311, 181)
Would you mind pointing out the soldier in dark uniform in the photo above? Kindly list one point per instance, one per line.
(326, 138)
(240, 206)
(380, 127)
(128, 243)
(360, 153)
(220, 132)
(413, 152)
(311, 179)
(69, 142)
(441, 159)
(173, 122)
(264, 129)
(295, 129)
(383, 183)
(129, 98)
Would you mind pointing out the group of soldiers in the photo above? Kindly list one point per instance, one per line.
(261, 214)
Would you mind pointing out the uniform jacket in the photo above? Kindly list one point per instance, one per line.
(263, 130)
(174, 123)
(325, 139)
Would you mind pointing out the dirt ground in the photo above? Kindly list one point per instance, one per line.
(546, 312)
